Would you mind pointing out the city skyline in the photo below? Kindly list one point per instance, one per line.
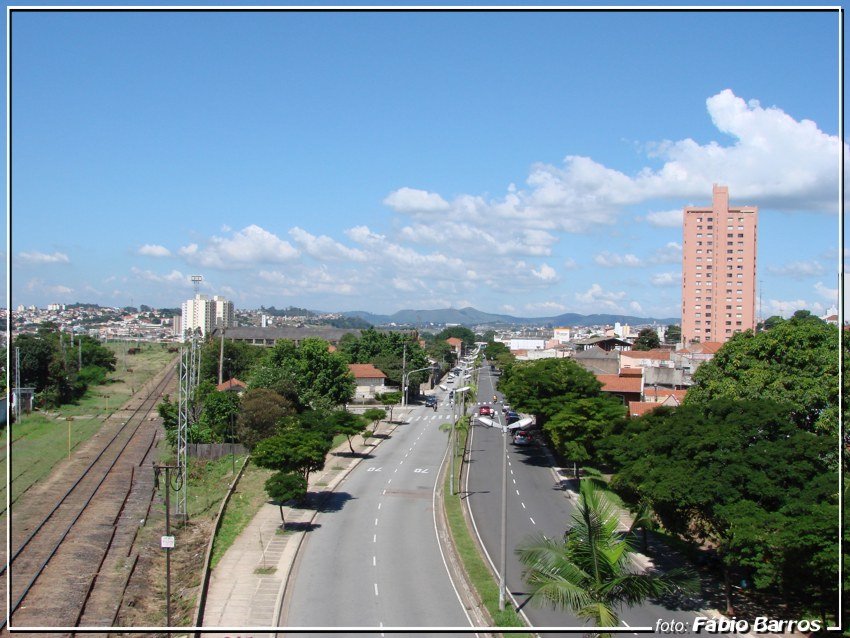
(380, 161)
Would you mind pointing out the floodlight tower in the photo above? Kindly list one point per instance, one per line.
(196, 282)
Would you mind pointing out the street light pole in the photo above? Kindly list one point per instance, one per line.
(504, 542)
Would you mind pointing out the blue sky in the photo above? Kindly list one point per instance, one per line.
(532, 163)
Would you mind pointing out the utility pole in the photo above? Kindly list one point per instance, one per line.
(167, 541)
(403, 376)
(221, 358)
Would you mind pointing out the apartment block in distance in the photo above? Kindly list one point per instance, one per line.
(206, 314)
(718, 269)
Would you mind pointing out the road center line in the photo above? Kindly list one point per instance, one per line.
(374, 561)
(523, 505)
(374, 538)
(532, 520)
(376, 589)
(376, 521)
(379, 505)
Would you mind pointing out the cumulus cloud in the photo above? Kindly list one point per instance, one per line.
(174, 277)
(798, 269)
(595, 296)
(412, 200)
(665, 219)
(248, 247)
(611, 260)
(307, 281)
(324, 248)
(546, 273)
(35, 258)
(773, 161)
(154, 250)
(634, 306)
(545, 307)
(830, 294)
(787, 308)
(666, 279)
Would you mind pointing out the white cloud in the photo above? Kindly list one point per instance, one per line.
(611, 260)
(546, 273)
(798, 269)
(154, 250)
(830, 294)
(362, 235)
(595, 296)
(250, 246)
(35, 258)
(174, 277)
(325, 248)
(634, 306)
(665, 219)
(788, 308)
(412, 200)
(666, 279)
(569, 264)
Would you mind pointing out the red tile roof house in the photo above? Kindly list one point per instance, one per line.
(456, 344)
(232, 385)
(627, 385)
(369, 380)
(639, 408)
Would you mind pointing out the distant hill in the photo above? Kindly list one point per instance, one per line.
(471, 317)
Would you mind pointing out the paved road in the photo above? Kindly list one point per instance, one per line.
(373, 559)
(536, 503)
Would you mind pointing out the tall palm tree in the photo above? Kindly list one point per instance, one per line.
(590, 571)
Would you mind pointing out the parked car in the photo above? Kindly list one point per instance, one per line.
(522, 437)
(512, 417)
(485, 410)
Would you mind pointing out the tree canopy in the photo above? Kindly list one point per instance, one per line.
(795, 362)
(647, 339)
(744, 477)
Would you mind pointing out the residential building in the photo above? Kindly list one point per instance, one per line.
(718, 269)
(205, 314)
(370, 380)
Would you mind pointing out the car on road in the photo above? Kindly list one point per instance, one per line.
(430, 401)
(485, 410)
(512, 417)
(522, 437)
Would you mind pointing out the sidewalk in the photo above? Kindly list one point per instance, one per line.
(247, 586)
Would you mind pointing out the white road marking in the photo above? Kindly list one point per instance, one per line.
(517, 492)
(376, 589)
(514, 480)
(375, 538)
(532, 520)
(523, 505)
(379, 504)
(376, 521)
(374, 561)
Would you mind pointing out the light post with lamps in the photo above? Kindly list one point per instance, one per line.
(404, 379)
(452, 444)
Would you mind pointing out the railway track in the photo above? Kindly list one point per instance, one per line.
(73, 556)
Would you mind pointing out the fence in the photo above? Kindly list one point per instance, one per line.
(214, 450)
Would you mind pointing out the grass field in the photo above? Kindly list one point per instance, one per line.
(246, 501)
(40, 440)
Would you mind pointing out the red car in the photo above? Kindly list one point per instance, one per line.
(485, 410)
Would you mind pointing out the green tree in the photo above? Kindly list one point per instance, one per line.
(673, 334)
(577, 427)
(285, 486)
(293, 450)
(795, 363)
(260, 411)
(459, 332)
(219, 414)
(237, 361)
(589, 572)
(349, 424)
(374, 415)
(547, 386)
(647, 339)
(739, 475)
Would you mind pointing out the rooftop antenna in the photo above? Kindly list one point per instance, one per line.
(196, 282)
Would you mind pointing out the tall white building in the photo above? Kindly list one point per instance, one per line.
(206, 314)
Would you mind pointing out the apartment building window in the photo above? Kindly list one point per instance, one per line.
(710, 227)
(700, 235)
(730, 228)
(699, 227)
(739, 315)
(711, 219)
(740, 228)
(730, 243)
(737, 323)
(697, 314)
(740, 234)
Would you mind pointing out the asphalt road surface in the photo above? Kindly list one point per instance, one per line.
(536, 503)
(373, 559)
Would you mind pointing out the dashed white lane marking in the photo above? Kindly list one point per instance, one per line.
(514, 480)
(517, 492)
(383, 493)
(376, 522)
(376, 589)
(374, 561)
(523, 505)
(374, 538)
(379, 504)
(532, 520)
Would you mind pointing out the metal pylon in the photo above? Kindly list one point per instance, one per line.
(190, 359)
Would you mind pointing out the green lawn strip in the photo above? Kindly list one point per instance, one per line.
(39, 443)
(246, 501)
(209, 481)
(473, 563)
